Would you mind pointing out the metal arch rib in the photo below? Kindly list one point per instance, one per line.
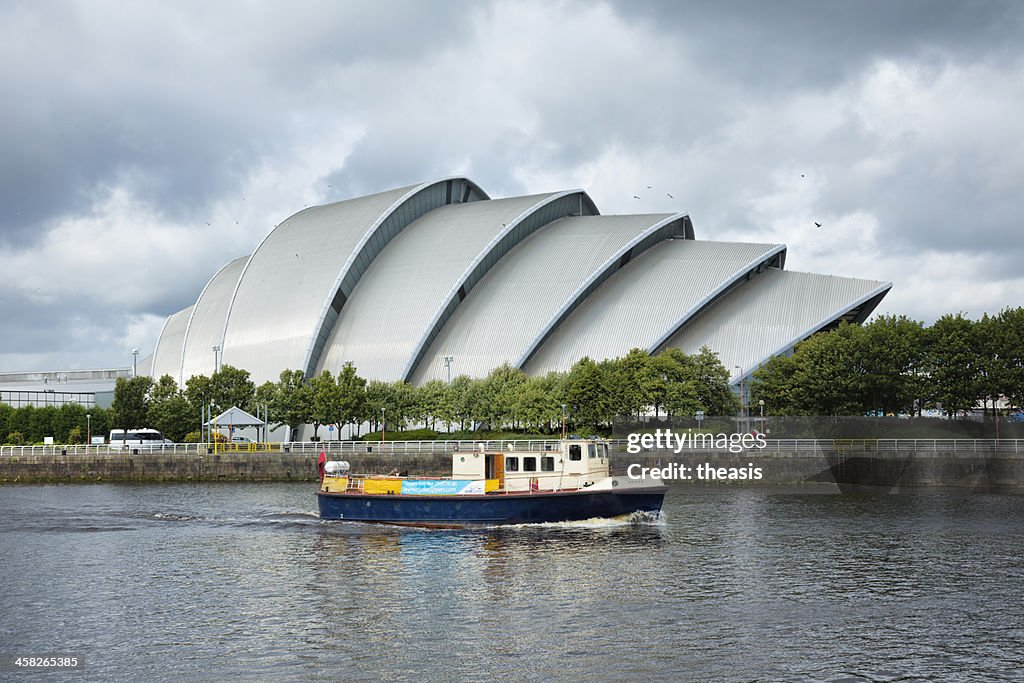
(677, 225)
(191, 316)
(497, 247)
(877, 292)
(778, 254)
(311, 357)
(156, 349)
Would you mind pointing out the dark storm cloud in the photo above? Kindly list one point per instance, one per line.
(176, 102)
(808, 43)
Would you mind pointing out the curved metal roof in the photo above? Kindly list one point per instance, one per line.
(291, 290)
(206, 324)
(525, 293)
(425, 272)
(771, 313)
(166, 358)
(669, 282)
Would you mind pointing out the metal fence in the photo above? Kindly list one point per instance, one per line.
(781, 446)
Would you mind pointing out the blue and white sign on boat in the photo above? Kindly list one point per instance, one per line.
(442, 487)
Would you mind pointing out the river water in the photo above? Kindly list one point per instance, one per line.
(224, 581)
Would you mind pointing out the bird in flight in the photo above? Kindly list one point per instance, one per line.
(636, 197)
(670, 195)
(817, 224)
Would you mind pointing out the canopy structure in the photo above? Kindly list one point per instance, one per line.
(234, 417)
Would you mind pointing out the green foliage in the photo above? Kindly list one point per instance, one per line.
(169, 410)
(131, 399)
(230, 387)
(896, 365)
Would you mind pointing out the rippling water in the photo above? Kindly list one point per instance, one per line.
(207, 582)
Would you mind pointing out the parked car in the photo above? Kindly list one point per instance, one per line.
(241, 439)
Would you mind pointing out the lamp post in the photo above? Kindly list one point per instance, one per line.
(382, 429)
(88, 429)
(743, 402)
(135, 362)
(760, 403)
(216, 357)
(448, 365)
(563, 420)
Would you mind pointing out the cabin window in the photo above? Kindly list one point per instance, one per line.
(591, 450)
(511, 464)
(575, 452)
(529, 463)
(547, 464)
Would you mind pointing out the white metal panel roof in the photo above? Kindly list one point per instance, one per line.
(167, 355)
(402, 291)
(651, 294)
(769, 314)
(206, 324)
(518, 296)
(290, 291)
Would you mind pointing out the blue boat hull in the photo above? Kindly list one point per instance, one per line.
(488, 509)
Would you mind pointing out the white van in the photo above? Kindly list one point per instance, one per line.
(137, 439)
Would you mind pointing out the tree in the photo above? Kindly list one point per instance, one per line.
(586, 393)
(169, 411)
(292, 401)
(131, 398)
(352, 397)
(890, 352)
(775, 384)
(711, 382)
(951, 364)
(230, 387)
(325, 401)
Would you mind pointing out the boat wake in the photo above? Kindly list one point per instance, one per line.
(618, 522)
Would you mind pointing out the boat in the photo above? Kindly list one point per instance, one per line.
(567, 482)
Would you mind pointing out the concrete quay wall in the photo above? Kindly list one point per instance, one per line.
(981, 472)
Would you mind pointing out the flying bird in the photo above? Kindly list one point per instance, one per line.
(817, 224)
(670, 195)
(801, 175)
(636, 197)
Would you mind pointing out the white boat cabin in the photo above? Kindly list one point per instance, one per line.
(574, 464)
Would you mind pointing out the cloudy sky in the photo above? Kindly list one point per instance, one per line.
(145, 144)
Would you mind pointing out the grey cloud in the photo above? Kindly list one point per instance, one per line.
(808, 43)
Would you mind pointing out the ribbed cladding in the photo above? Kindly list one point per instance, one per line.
(570, 203)
(630, 309)
(206, 324)
(673, 226)
(773, 258)
(283, 288)
(407, 209)
(536, 279)
(398, 296)
(167, 354)
(770, 313)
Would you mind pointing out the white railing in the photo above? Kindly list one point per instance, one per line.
(447, 447)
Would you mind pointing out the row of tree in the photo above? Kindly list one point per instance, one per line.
(589, 396)
(895, 365)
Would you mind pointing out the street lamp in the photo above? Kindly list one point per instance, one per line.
(88, 429)
(743, 397)
(563, 420)
(135, 362)
(216, 358)
(760, 403)
(448, 365)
